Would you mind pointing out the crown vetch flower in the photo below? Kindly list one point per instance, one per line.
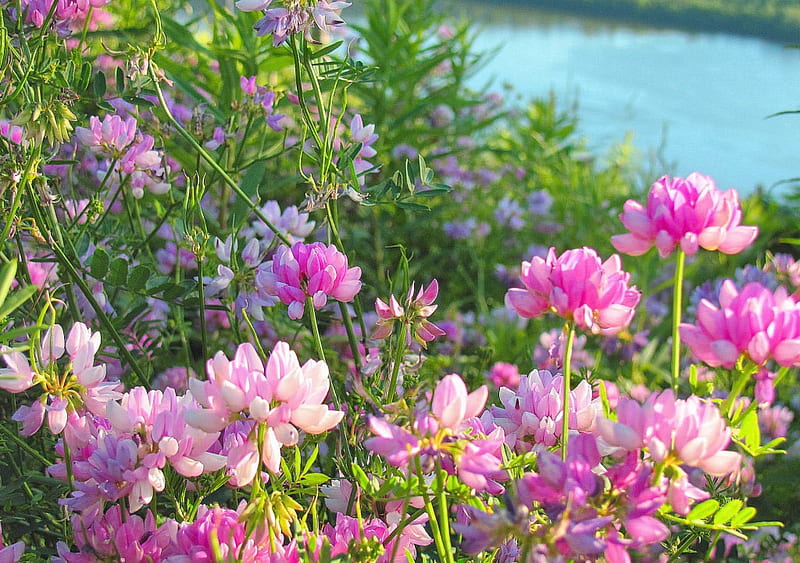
(294, 17)
(312, 270)
(78, 385)
(282, 395)
(577, 286)
(691, 212)
(754, 322)
(674, 431)
(449, 431)
(413, 315)
(532, 414)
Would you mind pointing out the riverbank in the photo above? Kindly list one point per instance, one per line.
(775, 20)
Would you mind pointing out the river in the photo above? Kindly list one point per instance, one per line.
(691, 101)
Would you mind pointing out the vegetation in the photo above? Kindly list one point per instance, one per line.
(777, 20)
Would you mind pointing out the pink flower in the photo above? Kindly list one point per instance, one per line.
(503, 374)
(675, 431)
(532, 414)
(413, 315)
(579, 287)
(113, 135)
(447, 431)
(283, 395)
(451, 403)
(691, 212)
(755, 322)
(80, 383)
(312, 270)
(18, 375)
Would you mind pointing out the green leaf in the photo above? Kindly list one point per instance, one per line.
(99, 265)
(728, 511)
(137, 280)
(120, 78)
(703, 510)
(118, 271)
(749, 431)
(6, 278)
(99, 84)
(325, 50)
(17, 298)
(314, 479)
(744, 516)
(360, 477)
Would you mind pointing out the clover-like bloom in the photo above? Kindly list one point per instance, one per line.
(294, 17)
(689, 212)
(112, 135)
(412, 315)
(69, 384)
(281, 395)
(579, 287)
(532, 414)
(754, 322)
(674, 431)
(446, 430)
(312, 270)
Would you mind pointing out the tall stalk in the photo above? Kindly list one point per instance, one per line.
(677, 305)
(569, 331)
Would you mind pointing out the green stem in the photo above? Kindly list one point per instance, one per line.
(677, 304)
(398, 359)
(569, 330)
(738, 386)
(444, 511)
(437, 534)
(312, 317)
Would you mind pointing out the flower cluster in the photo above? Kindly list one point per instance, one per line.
(754, 322)
(675, 432)
(132, 152)
(276, 399)
(532, 415)
(78, 386)
(592, 511)
(446, 433)
(295, 16)
(689, 212)
(309, 271)
(579, 287)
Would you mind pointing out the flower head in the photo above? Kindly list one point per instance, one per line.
(312, 270)
(579, 287)
(413, 315)
(689, 212)
(754, 322)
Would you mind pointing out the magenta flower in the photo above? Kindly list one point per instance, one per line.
(755, 322)
(689, 212)
(348, 532)
(578, 287)
(448, 431)
(221, 534)
(312, 270)
(412, 315)
(532, 414)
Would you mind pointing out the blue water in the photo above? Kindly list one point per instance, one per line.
(691, 101)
